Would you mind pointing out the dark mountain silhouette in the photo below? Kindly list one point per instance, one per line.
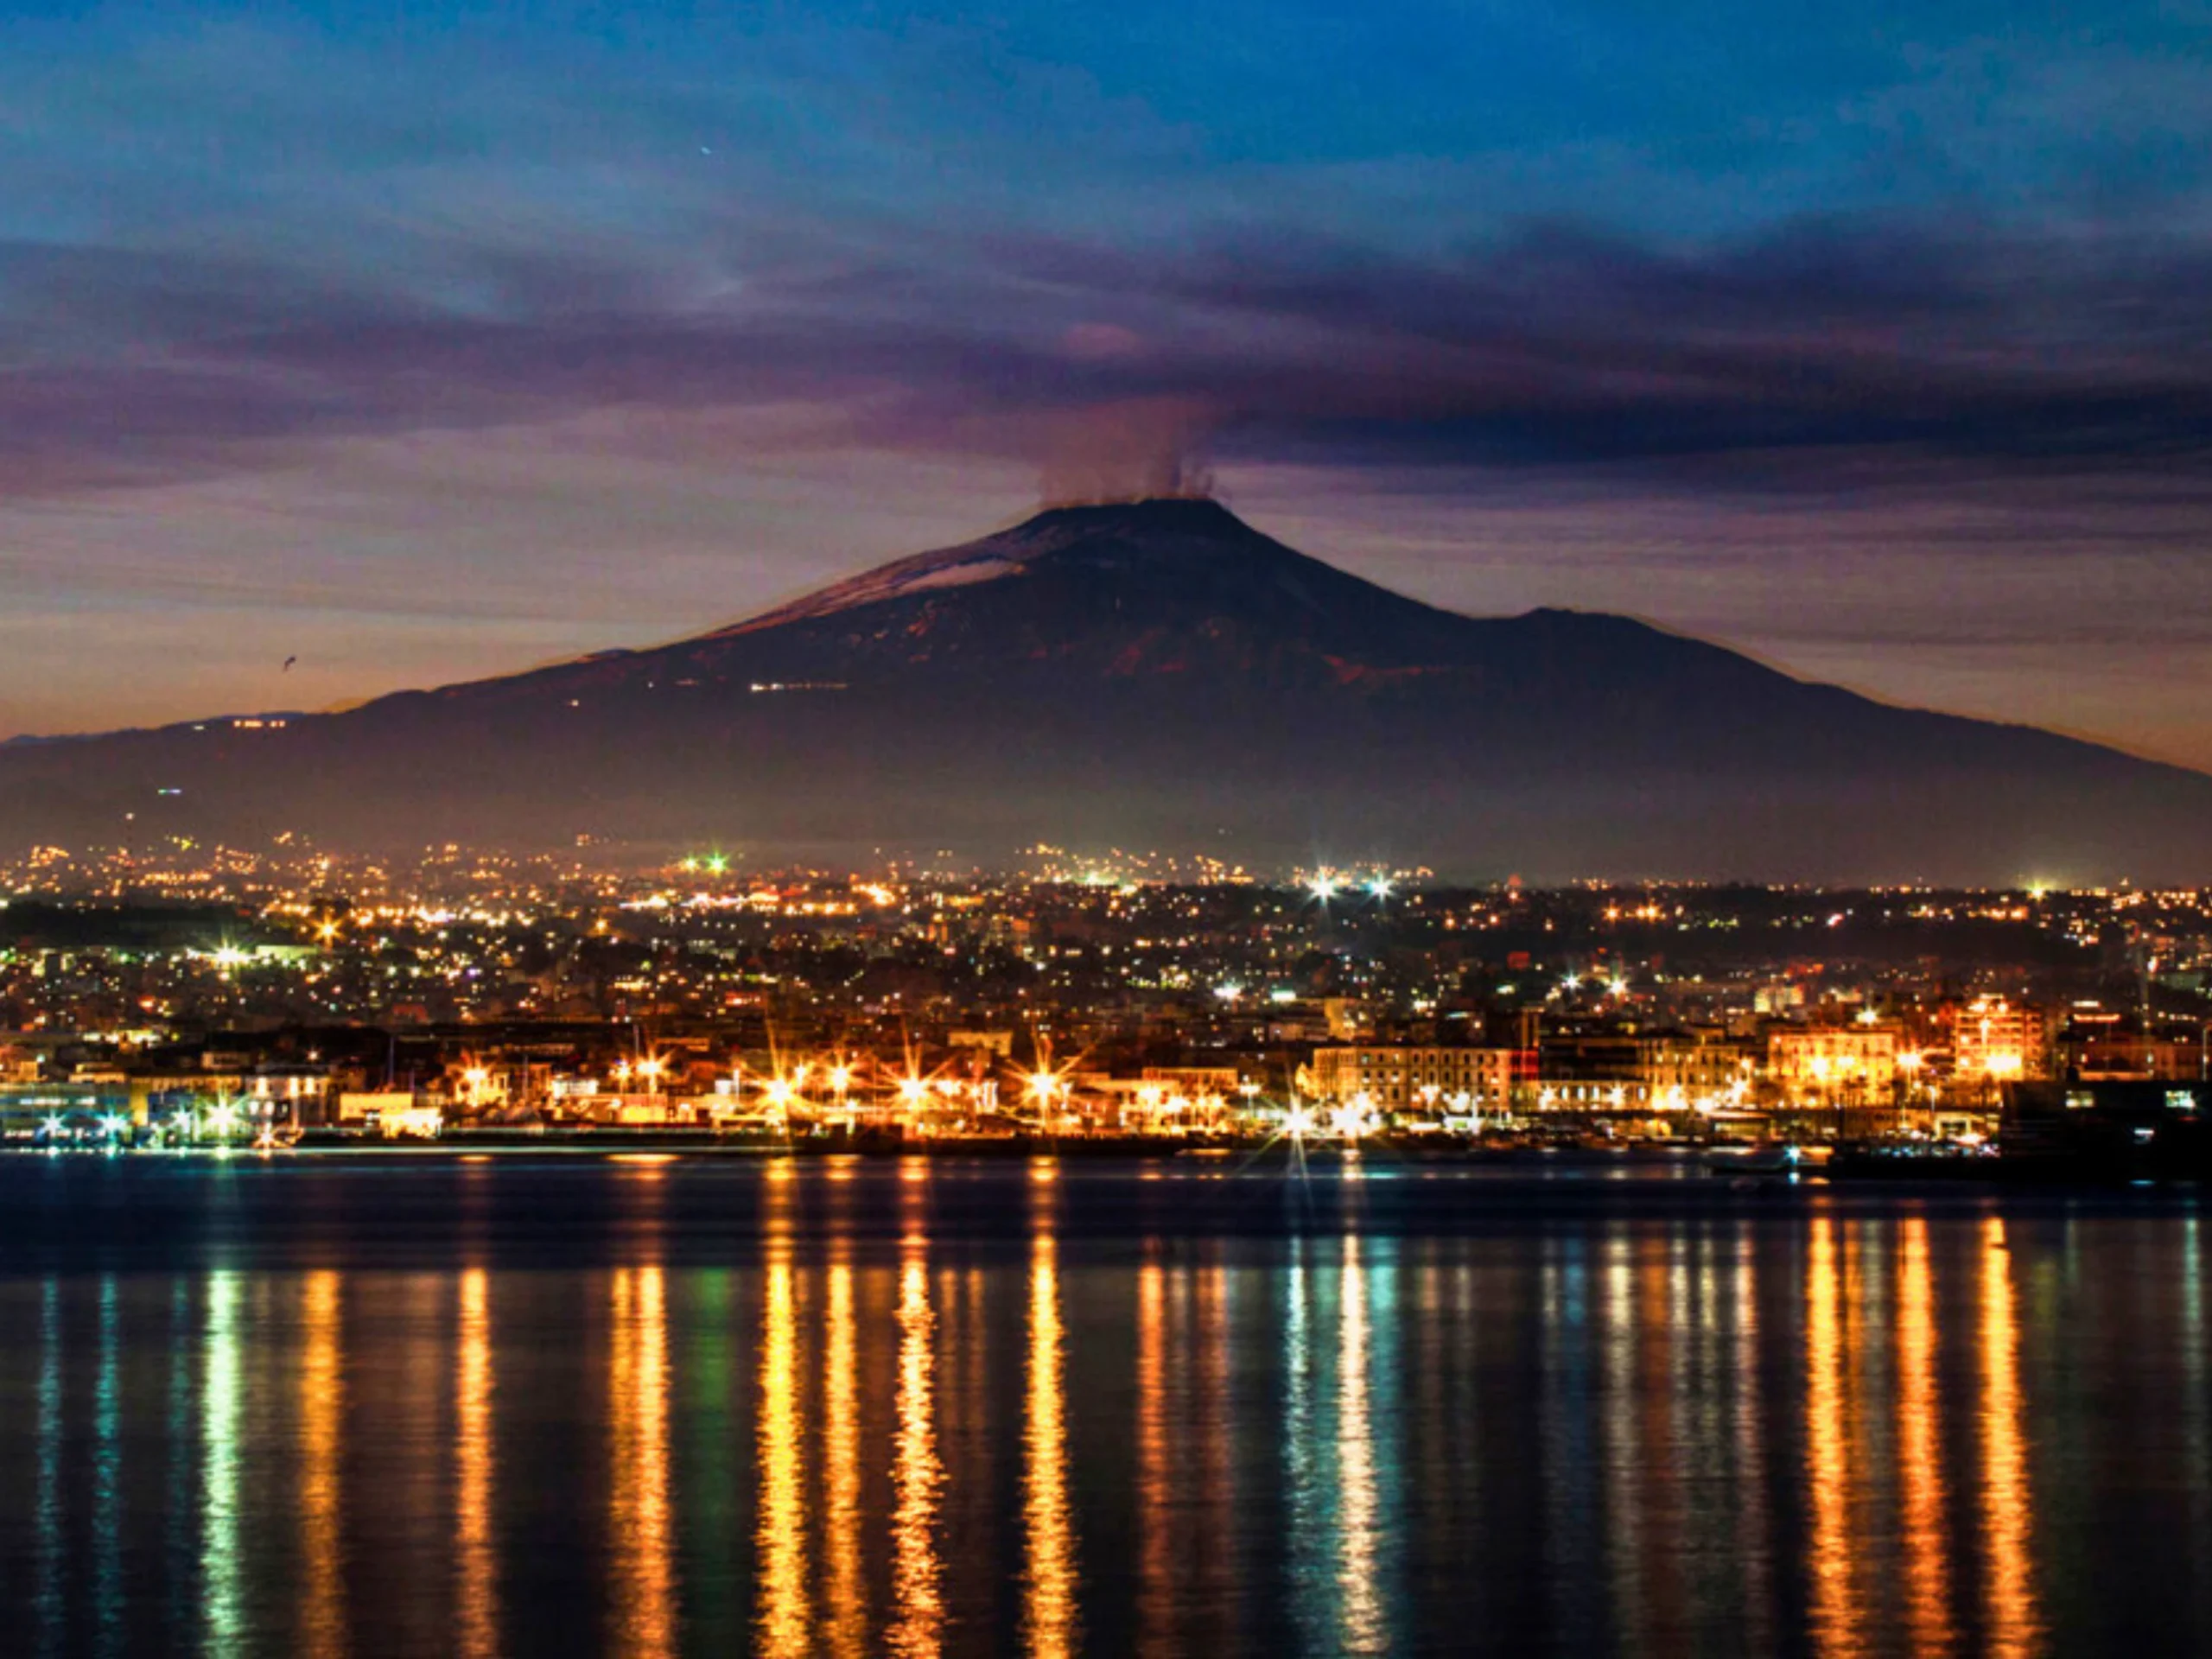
(1158, 675)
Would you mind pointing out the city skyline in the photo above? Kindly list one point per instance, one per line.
(383, 347)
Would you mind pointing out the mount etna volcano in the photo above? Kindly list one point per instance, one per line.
(1156, 674)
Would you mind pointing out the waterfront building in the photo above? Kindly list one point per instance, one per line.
(1399, 1079)
(1996, 1040)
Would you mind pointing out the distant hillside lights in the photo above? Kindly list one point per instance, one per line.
(1325, 885)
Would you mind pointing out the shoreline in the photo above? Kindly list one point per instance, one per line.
(1847, 1166)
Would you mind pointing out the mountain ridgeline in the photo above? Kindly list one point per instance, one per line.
(1156, 674)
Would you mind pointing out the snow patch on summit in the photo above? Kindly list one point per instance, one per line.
(929, 572)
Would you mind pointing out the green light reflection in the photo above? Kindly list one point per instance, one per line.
(46, 1592)
(221, 1400)
(107, 1477)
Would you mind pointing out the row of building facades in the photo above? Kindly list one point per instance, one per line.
(1952, 1067)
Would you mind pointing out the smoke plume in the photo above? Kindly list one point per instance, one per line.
(1140, 451)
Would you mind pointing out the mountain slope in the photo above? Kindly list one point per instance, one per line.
(1160, 674)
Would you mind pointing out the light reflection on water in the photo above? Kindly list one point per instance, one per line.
(321, 1407)
(841, 1459)
(48, 1594)
(478, 1565)
(1830, 1466)
(785, 1629)
(2008, 1499)
(1926, 1537)
(221, 1429)
(640, 1537)
(919, 1611)
(107, 1474)
(917, 1409)
(1049, 1611)
(1362, 1629)
(1156, 1549)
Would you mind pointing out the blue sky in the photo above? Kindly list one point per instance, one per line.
(425, 342)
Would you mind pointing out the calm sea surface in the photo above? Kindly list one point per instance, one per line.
(546, 1405)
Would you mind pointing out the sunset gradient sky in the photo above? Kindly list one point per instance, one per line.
(425, 342)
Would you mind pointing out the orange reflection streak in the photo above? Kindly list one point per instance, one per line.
(644, 1596)
(1049, 1600)
(1834, 1570)
(1659, 1385)
(1856, 1448)
(322, 1416)
(1217, 1511)
(783, 1612)
(479, 1630)
(848, 1630)
(1153, 1557)
(2007, 1505)
(1928, 1572)
(1363, 1611)
(918, 1626)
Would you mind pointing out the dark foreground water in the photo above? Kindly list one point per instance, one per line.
(331, 1406)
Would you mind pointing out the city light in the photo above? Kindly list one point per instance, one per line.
(1227, 1013)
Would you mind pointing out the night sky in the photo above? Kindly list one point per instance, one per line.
(422, 343)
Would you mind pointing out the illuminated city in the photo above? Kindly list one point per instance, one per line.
(289, 1000)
